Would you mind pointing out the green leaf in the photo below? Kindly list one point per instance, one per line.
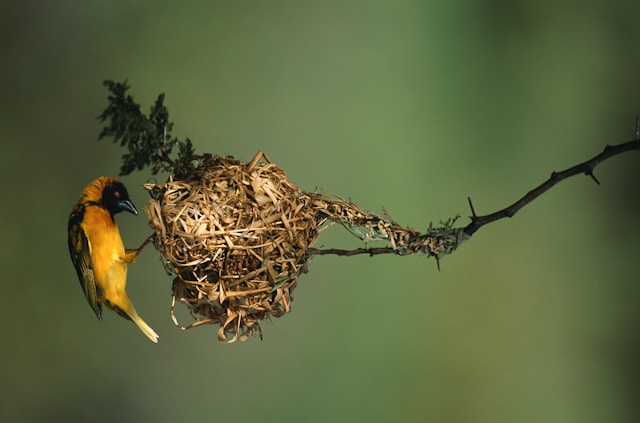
(147, 138)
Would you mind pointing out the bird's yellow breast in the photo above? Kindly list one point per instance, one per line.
(107, 251)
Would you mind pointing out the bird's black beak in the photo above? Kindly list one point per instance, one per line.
(128, 206)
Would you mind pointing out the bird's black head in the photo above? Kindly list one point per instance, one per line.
(115, 198)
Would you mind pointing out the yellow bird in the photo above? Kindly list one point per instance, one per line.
(97, 251)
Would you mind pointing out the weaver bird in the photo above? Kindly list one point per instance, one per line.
(97, 251)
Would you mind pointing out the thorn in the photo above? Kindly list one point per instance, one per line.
(437, 262)
(590, 173)
(637, 128)
(473, 212)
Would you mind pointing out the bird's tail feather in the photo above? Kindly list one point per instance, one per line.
(131, 314)
(145, 328)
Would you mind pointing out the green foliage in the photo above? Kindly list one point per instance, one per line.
(445, 226)
(148, 138)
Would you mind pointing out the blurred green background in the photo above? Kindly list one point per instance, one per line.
(407, 106)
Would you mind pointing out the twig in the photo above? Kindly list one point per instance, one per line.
(586, 168)
(340, 252)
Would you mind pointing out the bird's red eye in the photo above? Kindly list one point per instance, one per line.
(116, 194)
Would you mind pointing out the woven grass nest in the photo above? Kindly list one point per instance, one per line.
(237, 237)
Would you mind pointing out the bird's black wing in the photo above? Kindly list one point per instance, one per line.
(80, 252)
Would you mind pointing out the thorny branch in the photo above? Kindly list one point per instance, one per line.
(582, 168)
(477, 222)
